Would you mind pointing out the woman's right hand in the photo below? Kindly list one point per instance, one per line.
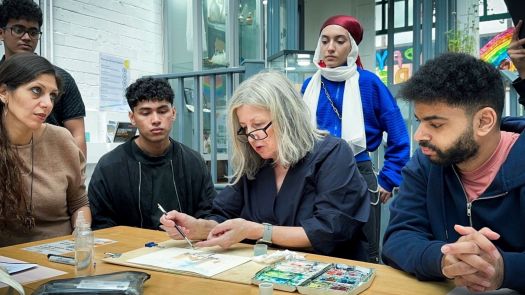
(193, 228)
(186, 223)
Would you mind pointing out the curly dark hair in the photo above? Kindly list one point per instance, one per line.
(19, 9)
(149, 89)
(459, 80)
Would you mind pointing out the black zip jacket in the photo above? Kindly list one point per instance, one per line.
(127, 185)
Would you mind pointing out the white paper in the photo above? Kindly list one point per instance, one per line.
(114, 78)
(32, 275)
(62, 247)
(187, 260)
(16, 267)
(6, 279)
(464, 291)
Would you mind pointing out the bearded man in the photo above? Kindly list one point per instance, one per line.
(460, 212)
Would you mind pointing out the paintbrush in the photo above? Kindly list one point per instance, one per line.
(176, 226)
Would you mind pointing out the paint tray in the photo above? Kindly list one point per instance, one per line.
(339, 279)
(286, 275)
(316, 278)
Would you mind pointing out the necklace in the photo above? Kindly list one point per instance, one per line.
(29, 219)
(331, 102)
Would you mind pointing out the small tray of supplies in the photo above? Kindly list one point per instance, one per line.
(313, 277)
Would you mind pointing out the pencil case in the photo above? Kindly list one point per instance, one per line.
(125, 283)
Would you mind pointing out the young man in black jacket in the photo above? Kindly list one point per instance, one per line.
(149, 169)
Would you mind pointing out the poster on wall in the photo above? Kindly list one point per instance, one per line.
(114, 78)
(493, 49)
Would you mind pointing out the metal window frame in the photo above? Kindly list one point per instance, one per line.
(385, 27)
(45, 45)
(485, 16)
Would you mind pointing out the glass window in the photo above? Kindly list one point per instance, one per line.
(379, 15)
(180, 40)
(283, 30)
(492, 10)
(403, 16)
(215, 53)
(249, 30)
(399, 15)
(402, 54)
(496, 7)
(221, 134)
(410, 12)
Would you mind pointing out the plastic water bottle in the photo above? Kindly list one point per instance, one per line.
(84, 241)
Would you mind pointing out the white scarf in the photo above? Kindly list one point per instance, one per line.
(353, 124)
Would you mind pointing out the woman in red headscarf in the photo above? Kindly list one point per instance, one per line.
(352, 103)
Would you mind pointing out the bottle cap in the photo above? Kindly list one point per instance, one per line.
(265, 288)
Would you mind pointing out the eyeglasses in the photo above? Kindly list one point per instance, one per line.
(257, 134)
(19, 31)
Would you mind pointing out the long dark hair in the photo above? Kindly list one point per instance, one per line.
(18, 70)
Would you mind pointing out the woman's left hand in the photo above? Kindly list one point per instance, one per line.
(227, 233)
(384, 195)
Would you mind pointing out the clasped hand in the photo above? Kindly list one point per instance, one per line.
(473, 261)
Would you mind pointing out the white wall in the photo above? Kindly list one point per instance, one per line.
(317, 11)
(129, 29)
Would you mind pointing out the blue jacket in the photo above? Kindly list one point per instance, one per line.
(381, 115)
(431, 201)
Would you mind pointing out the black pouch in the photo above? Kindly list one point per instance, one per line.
(125, 282)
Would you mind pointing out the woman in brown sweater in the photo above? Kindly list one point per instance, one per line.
(41, 168)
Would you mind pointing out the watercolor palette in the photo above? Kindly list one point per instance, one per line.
(340, 279)
(313, 277)
(286, 275)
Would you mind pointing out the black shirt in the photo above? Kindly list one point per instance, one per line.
(519, 85)
(70, 104)
(127, 184)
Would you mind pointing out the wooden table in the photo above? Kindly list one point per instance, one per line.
(387, 281)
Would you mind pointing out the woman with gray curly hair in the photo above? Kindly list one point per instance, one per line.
(293, 185)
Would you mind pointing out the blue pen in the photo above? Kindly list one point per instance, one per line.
(176, 226)
(150, 244)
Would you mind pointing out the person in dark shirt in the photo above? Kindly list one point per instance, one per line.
(517, 55)
(150, 169)
(20, 23)
(293, 185)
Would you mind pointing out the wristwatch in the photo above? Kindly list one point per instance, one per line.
(267, 234)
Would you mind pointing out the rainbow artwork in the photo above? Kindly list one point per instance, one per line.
(220, 87)
(495, 51)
